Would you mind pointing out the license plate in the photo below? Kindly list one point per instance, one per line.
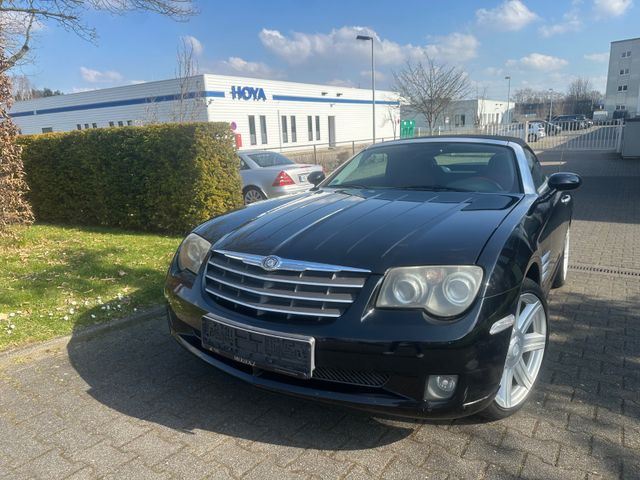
(278, 352)
(303, 178)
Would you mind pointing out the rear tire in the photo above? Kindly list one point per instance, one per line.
(252, 195)
(523, 363)
(563, 264)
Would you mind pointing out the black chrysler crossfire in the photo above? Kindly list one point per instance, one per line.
(412, 281)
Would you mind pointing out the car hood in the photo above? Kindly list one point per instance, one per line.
(372, 229)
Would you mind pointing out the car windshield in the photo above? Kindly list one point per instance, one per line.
(269, 159)
(441, 166)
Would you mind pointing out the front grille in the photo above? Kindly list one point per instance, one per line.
(351, 377)
(295, 289)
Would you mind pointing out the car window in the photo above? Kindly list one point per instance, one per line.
(269, 159)
(535, 168)
(243, 165)
(458, 166)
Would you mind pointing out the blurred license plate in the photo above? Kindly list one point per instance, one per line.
(303, 178)
(279, 352)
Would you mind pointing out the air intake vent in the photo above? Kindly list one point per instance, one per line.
(351, 377)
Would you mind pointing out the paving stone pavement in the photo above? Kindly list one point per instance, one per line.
(130, 403)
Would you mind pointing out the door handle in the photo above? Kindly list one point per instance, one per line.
(565, 198)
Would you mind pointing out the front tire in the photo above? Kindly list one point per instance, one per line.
(527, 346)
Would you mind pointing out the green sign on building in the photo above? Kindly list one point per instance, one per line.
(407, 128)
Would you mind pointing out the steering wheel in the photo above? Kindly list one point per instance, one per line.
(478, 184)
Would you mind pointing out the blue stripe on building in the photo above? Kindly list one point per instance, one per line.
(118, 103)
(208, 93)
(295, 98)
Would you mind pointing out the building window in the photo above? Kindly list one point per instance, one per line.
(47, 129)
(294, 133)
(79, 127)
(622, 88)
(252, 130)
(129, 122)
(626, 54)
(86, 125)
(111, 124)
(620, 107)
(624, 71)
(310, 127)
(94, 125)
(263, 129)
(120, 124)
(285, 135)
(317, 127)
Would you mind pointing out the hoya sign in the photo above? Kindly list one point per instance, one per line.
(248, 93)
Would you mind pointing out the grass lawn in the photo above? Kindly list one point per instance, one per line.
(53, 279)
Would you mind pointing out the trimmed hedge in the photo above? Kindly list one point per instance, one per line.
(168, 177)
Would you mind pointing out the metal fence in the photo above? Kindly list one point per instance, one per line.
(561, 136)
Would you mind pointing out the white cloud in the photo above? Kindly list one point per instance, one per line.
(571, 22)
(611, 8)
(493, 71)
(538, 61)
(511, 15)
(598, 57)
(240, 66)
(194, 43)
(340, 45)
(97, 76)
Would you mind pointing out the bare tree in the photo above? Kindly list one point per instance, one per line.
(190, 99)
(429, 87)
(20, 18)
(23, 89)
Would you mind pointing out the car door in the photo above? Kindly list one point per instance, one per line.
(554, 211)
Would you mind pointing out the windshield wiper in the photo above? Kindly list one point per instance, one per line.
(435, 188)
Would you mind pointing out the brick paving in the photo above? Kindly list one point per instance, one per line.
(129, 403)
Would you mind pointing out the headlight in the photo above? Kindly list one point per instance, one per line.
(192, 253)
(442, 291)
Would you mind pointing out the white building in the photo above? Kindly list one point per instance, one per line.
(463, 115)
(623, 80)
(265, 113)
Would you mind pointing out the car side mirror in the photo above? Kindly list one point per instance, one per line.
(564, 181)
(316, 177)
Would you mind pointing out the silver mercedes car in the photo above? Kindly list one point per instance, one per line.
(269, 174)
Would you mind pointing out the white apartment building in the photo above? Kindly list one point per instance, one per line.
(262, 113)
(623, 80)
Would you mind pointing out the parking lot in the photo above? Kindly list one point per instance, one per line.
(130, 403)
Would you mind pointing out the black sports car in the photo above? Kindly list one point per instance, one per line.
(412, 280)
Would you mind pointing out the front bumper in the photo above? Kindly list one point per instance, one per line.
(384, 344)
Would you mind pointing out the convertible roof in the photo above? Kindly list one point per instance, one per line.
(517, 140)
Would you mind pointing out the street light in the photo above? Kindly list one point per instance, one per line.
(551, 102)
(508, 77)
(373, 82)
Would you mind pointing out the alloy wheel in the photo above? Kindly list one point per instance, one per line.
(252, 195)
(525, 354)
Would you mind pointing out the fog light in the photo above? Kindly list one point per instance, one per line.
(441, 387)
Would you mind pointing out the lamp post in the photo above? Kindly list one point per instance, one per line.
(550, 102)
(373, 82)
(508, 78)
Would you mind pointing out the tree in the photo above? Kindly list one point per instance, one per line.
(581, 97)
(23, 89)
(189, 102)
(14, 208)
(429, 87)
(20, 18)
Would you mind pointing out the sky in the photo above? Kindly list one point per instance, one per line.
(541, 45)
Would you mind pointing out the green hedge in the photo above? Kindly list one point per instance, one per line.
(166, 178)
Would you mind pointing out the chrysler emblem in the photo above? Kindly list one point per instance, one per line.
(271, 263)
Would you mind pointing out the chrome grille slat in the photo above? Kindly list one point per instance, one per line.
(291, 294)
(300, 289)
(338, 282)
(267, 308)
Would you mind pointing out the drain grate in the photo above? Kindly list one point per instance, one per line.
(620, 272)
